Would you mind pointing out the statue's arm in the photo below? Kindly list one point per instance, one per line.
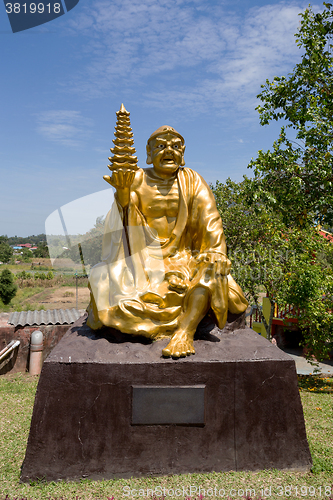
(208, 234)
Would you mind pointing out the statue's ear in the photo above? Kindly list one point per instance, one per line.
(149, 160)
(183, 160)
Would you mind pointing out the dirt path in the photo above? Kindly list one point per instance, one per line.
(60, 298)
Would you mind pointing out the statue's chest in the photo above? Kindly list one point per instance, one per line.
(159, 200)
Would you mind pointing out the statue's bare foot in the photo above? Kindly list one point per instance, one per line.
(180, 345)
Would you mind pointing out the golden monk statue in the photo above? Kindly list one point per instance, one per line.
(164, 263)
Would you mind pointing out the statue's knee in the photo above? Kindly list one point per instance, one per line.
(199, 298)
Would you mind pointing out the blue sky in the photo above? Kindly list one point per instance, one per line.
(195, 65)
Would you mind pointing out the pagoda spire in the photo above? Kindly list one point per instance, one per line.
(123, 151)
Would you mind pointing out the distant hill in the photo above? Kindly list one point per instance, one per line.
(34, 239)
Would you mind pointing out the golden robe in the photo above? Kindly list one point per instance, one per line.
(144, 293)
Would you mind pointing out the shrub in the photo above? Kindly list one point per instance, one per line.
(7, 287)
(40, 276)
(23, 275)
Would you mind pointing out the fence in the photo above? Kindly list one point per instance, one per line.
(280, 317)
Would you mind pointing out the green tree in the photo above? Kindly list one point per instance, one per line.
(6, 251)
(26, 254)
(34, 240)
(7, 287)
(42, 251)
(290, 265)
(309, 287)
(91, 245)
(296, 177)
(258, 246)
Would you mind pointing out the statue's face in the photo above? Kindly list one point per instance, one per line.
(167, 151)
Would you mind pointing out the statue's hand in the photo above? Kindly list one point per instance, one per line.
(218, 261)
(121, 179)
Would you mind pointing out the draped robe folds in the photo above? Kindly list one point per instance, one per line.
(143, 283)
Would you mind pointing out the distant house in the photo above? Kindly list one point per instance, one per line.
(28, 246)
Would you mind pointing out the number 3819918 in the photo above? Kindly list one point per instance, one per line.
(32, 8)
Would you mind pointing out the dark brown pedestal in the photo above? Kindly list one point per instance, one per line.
(108, 409)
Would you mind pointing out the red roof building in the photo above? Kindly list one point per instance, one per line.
(326, 235)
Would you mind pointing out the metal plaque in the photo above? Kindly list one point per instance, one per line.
(156, 405)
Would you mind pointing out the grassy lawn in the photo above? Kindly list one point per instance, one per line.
(16, 398)
(21, 300)
(35, 294)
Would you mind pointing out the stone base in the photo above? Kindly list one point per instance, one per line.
(111, 407)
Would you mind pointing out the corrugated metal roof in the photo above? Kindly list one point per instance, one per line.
(49, 317)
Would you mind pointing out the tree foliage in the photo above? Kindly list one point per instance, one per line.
(42, 251)
(7, 287)
(91, 245)
(291, 265)
(308, 286)
(33, 239)
(257, 244)
(296, 178)
(293, 182)
(6, 251)
(25, 254)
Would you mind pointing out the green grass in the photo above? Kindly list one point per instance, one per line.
(318, 393)
(23, 301)
(23, 266)
(16, 399)
(26, 266)
(18, 302)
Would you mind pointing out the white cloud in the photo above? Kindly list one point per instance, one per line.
(186, 54)
(64, 126)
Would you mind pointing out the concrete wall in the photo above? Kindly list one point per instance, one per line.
(20, 363)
